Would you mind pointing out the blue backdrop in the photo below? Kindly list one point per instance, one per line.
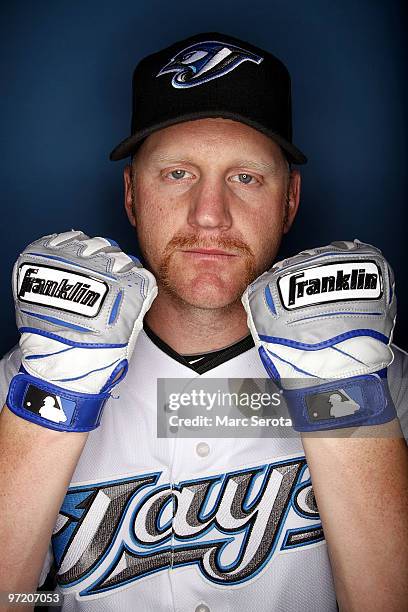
(66, 75)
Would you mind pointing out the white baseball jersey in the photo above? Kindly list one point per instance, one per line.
(190, 524)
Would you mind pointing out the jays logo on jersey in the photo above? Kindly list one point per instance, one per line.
(205, 61)
(229, 526)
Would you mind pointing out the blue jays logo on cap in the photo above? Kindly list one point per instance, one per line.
(205, 61)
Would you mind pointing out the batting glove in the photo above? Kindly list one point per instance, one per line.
(80, 304)
(322, 322)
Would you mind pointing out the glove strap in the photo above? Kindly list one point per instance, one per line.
(45, 404)
(353, 402)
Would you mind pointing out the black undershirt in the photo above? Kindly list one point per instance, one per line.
(202, 362)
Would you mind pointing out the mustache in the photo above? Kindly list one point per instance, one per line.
(230, 244)
(192, 241)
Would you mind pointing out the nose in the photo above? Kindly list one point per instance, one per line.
(210, 206)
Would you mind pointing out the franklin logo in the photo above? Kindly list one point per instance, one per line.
(205, 61)
(359, 280)
(63, 289)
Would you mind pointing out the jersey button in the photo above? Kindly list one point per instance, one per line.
(202, 450)
(202, 608)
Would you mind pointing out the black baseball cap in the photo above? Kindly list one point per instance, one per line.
(211, 75)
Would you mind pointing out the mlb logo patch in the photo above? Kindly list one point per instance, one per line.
(331, 405)
(48, 405)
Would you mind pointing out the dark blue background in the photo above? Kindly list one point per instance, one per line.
(65, 102)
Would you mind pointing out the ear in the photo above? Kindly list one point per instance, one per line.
(293, 199)
(127, 177)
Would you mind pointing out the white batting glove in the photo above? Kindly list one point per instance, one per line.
(323, 323)
(80, 304)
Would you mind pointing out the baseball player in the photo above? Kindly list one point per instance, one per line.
(124, 519)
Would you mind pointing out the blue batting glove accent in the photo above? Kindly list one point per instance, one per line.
(363, 400)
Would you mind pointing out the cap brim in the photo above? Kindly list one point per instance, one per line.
(128, 146)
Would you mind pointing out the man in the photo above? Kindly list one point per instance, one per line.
(196, 523)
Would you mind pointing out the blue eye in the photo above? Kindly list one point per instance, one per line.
(245, 178)
(178, 174)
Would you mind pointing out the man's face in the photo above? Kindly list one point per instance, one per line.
(210, 200)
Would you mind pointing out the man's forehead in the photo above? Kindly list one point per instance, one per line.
(190, 139)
